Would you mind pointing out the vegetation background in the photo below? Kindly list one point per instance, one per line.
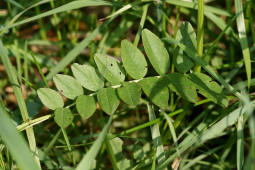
(188, 104)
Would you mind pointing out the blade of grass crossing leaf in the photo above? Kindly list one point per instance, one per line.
(243, 39)
(18, 94)
(15, 142)
(240, 143)
(76, 51)
(156, 137)
(87, 160)
(209, 69)
(67, 7)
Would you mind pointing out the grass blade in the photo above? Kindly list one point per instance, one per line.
(199, 158)
(240, 143)
(67, 7)
(15, 143)
(87, 160)
(156, 137)
(18, 94)
(194, 5)
(21, 13)
(172, 130)
(243, 39)
(200, 31)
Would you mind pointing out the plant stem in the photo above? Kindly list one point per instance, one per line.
(68, 144)
(138, 34)
(200, 31)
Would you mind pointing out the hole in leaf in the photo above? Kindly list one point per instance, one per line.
(111, 64)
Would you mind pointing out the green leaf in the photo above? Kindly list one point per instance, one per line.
(15, 142)
(183, 86)
(130, 93)
(187, 36)
(156, 89)
(86, 106)
(108, 100)
(63, 117)
(208, 88)
(50, 98)
(109, 68)
(133, 60)
(69, 87)
(156, 52)
(87, 76)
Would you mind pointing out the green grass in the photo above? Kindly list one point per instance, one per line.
(99, 84)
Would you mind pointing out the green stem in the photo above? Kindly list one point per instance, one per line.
(200, 31)
(138, 35)
(111, 153)
(68, 144)
(40, 22)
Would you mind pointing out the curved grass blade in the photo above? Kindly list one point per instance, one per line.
(194, 5)
(243, 39)
(87, 160)
(67, 7)
(15, 143)
(21, 13)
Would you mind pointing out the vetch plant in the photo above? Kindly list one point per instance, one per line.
(95, 89)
